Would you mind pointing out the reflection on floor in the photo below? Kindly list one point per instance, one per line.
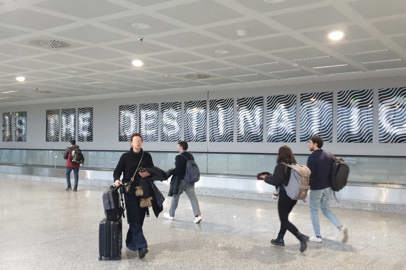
(44, 227)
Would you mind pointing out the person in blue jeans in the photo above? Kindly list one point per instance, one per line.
(71, 166)
(320, 163)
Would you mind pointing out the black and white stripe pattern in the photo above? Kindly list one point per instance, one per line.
(7, 127)
(316, 116)
(355, 116)
(281, 118)
(195, 121)
(128, 122)
(68, 125)
(392, 115)
(171, 121)
(149, 121)
(250, 113)
(221, 119)
(85, 124)
(52, 125)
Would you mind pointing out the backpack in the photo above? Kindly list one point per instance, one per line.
(77, 156)
(339, 175)
(113, 207)
(192, 174)
(299, 182)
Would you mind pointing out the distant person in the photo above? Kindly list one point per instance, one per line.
(74, 158)
(132, 165)
(321, 163)
(179, 184)
(280, 179)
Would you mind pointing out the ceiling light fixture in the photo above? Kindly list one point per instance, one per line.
(20, 79)
(140, 26)
(336, 35)
(221, 51)
(137, 63)
(241, 32)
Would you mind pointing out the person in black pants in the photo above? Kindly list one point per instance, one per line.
(280, 179)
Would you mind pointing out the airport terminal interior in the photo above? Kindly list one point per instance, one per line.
(278, 125)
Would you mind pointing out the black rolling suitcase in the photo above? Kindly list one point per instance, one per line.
(110, 228)
(110, 240)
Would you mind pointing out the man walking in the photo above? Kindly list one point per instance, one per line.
(321, 163)
(74, 158)
(179, 185)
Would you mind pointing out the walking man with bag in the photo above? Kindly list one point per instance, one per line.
(74, 157)
(185, 175)
(321, 165)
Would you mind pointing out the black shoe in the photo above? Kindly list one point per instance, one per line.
(303, 242)
(278, 242)
(75, 190)
(68, 189)
(142, 252)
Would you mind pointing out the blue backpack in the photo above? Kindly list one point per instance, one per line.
(192, 174)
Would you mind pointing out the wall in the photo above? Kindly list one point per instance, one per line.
(106, 119)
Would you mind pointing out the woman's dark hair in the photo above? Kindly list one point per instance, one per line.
(285, 154)
(184, 145)
(72, 142)
(136, 135)
(316, 139)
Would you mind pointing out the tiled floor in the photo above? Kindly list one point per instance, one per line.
(44, 227)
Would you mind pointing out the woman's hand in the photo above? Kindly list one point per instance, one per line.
(117, 183)
(144, 174)
(263, 175)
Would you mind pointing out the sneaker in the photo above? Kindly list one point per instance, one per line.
(198, 219)
(344, 235)
(278, 242)
(316, 239)
(167, 216)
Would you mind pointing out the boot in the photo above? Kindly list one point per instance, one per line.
(303, 242)
(278, 242)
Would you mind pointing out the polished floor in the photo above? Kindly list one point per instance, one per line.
(44, 227)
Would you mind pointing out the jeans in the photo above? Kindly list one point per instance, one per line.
(135, 236)
(321, 199)
(285, 206)
(76, 174)
(190, 192)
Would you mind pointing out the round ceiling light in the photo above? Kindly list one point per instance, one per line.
(336, 35)
(20, 79)
(137, 63)
(140, 26)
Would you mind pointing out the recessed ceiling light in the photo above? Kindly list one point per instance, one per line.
(241, 32)
(336, 35)
(137, 63)
(140, 26)
(8, 92)
(221, 51)
(20, 79)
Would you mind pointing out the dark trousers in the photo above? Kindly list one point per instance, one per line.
(76, 175)
(135, 236)
(285, 206)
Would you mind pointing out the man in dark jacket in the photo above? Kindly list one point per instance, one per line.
(71, 166)
(179, 185)
(134, 163)
(321, 163)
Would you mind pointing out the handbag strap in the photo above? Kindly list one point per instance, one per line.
(138, 166)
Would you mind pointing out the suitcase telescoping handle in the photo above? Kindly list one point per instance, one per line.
(120, 190)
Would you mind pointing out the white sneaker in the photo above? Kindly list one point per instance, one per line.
(167, 216)
(344, 235)
(316, 239)
(198, 219)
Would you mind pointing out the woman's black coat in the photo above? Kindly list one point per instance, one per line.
(126, 167)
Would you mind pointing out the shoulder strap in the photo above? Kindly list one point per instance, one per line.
(138, 166)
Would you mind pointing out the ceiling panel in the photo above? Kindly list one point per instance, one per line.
(301, 53)
(274, 43)
(379, 8)
(91, 34)
(97, 53)
(255, 59)
(274, 5)
(222, 50)
(392, 26)
(358, 46)
(177, 57)
(395, 63)
(186, 39)
(139, 48)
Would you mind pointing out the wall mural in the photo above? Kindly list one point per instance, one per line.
(128, 122)
(392, 115)
(221, 119)
(7, 127)
(52, 125)
(250, 119)
(85, 124)
(281, 118)
(195, 121)
(68, 125)
(355, 116)
(316, 116)
(20, 126)
(149, 121)
(171, 121)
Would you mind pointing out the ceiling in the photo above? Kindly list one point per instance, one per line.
(228, 41)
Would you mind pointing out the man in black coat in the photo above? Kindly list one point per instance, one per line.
(129, 165)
